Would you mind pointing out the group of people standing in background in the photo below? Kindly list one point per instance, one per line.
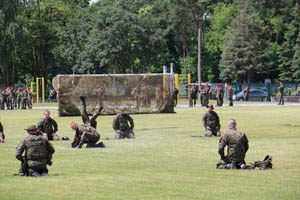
(13, 99)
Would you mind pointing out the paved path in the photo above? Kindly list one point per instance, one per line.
(199, 105)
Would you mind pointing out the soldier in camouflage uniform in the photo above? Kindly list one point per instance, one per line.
(2, 136)
(190, 96)
(246, 93)
(4, 99)
(38, 153)
(175, 96)
(85, 134)
(85, 117)
(48, 126)
(211, 122)
(24, 98)
(136, 95)
(230, 94)
(194, 95)
(203, 93)
(220, 94)
(158, 96)
(237, 143)
(29, 98)
(281, 91)
(121, 127)
(19, 94)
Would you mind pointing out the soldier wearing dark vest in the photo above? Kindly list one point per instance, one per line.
(121, 127)
(281, 91)
(246, 93)
(38, 153)
(237, 144)
(2, 136)
(85, 134)
(48, 126)
(211, 122)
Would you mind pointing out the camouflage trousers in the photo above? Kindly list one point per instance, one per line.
(124, 134)
(88, 137)
(212, 132)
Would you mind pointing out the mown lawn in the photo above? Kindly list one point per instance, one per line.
(163, 162)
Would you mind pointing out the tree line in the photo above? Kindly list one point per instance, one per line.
(242, 40)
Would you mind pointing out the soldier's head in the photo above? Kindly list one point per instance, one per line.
(47, 114)
(31, 129)
(74, 126)
(210, 107)
(123, 110)
(232, 123)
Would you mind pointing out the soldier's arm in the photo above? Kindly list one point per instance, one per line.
(115, 124)
(218, 120)
(40, 125)
(131, 122)
(222, 145)
(204, 119)
(246, 144)
(2, 136)
(55, 126)
(20, 150)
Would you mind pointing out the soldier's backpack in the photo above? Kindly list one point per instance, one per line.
(261, 165)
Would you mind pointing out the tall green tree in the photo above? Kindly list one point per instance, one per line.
(289, 47)
(244, 56)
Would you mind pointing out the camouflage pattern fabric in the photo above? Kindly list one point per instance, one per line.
(121, 127)
(211, 123)
(85, 134)
(48, 126)
(237, 143)
(246, 94)
(281, 91)
(230, 95)
(139, 93)
(38, 152)
(220, 95)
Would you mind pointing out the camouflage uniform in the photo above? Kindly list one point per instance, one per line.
(1, 132)
(4, 99)
(211, 123)
(203, 93)
(85, 134)
(237, 143)
(38, 153)
(194, 96)
(121, 127)
(48, 126)
(246, 93)
(84, 115)
(220, 95)
(19, 94)
(175, 95)
(190, 96)
(230, 95)
(29, 99)
(24, 98)
(281, 90)
(136, 95)
(158, 97)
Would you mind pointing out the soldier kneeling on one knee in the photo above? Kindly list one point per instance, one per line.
(121, 127)
(211, 122)
(38, 153)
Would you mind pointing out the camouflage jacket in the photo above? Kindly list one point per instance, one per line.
(237, 143)
(36, 147)
(48, 126)
(86, 128)
(211, 119)
(230, 92)
(121, 122)
(219, 92)
(1, 132)
(194, 93)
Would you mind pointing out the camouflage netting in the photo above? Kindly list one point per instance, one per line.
(143, 93)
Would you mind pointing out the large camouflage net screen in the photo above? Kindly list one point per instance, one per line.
(138, 93)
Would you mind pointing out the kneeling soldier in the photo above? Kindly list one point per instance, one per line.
(38, 153)
(211, 122)
(121, 127)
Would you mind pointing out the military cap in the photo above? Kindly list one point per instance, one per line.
(219, 84)
(31, 127)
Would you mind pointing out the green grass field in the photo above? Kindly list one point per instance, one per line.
(163, 162)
